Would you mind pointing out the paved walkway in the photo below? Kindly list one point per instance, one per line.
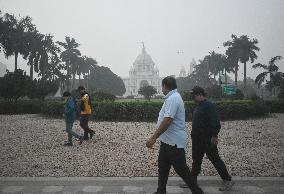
(141, 185)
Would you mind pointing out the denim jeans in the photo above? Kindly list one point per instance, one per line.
(70, 132)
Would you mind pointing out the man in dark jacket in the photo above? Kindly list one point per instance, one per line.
(204, 135)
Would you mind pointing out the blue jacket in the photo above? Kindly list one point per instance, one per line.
(70, 110)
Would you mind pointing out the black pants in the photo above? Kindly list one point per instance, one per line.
(84, 119)
(173, 156)
(201, 146)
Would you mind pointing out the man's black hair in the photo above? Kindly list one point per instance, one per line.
(169, 82)
(81, 88)
(66, 94)
(197, 90)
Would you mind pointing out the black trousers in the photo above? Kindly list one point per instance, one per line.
(84, 120)
(173, 156)
(201, 146)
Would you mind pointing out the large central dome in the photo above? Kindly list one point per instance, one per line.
(143, 59)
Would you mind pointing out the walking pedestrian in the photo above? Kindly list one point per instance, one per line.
(205, 128)
(85, 113)
(70, 116)
(171, 133)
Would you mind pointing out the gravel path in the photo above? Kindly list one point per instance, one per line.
(31, 145)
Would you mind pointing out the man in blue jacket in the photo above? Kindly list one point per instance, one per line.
(205, 128)
(70, 116)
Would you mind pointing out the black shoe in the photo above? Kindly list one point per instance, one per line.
(197, 191)
(92, 134)
(68, 144)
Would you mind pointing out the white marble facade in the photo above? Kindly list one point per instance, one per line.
(143, 72)
(3, 69)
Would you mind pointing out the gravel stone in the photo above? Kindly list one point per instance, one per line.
(32, 145)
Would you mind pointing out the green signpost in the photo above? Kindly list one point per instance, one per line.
(229, 89)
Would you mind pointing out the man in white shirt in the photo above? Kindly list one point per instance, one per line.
(171, 132)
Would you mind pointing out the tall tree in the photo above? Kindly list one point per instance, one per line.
(70, 57)
(14, 36)
(217, 64)
(233, 62)
(90, 65)
(102, 78)
(270, 70)
(244, 49)
(147, 91)
(43, 54)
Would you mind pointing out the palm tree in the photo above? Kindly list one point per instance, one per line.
(14, 38)
(90, 64)
(217, 64)
(272, 70)
(70, 57)
(42, 50)
(244, 49)
(232, 62)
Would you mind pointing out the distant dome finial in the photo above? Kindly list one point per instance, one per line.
(143, 47)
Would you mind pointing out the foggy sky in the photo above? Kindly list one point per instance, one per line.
(111, 31)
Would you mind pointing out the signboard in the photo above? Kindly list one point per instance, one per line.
(229, 89)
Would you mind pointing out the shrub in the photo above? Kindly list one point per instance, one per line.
(149, 110)
(147, 91)
(275, 106)
(53, 108)
(102, 95)
(20, 107)
(14, 85)
(214, 92)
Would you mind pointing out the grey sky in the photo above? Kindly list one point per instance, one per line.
(111, 31)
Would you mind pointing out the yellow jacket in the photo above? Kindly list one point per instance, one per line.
(87, 107)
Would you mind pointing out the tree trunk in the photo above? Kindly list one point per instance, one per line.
(245, 78)
(220, 81)
(16, 61)
(73, 84)
(236, 75)
(226, 77)
(32, 71)
(88, 80)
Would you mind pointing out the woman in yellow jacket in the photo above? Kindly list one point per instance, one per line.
(85, 112)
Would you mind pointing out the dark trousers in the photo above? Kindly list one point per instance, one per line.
(84, 120)
(173, 156)
(201, 146)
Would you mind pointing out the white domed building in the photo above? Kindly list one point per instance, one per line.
(143, 72)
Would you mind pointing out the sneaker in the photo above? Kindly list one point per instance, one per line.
(80, 139)
(227, 185)
(68, 144)
(92, 134)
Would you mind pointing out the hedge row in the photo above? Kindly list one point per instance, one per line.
(20, 107)
(275, 106)
(144, 111)
(148, 111)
